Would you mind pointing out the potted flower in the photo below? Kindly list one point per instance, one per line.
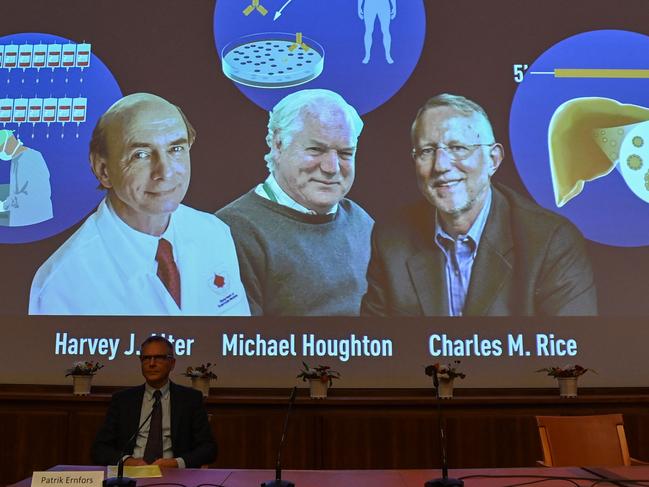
(567, 378)
(201, 377)
(82, 373)
(320, 379)
(446, 374)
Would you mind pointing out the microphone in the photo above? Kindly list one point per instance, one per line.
(120, 480)
(444, 481)
(278, 482)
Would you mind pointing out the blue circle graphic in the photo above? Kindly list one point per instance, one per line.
(63, 103)
(336, 26)
(606, 211)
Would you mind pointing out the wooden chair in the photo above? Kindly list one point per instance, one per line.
(584, 440)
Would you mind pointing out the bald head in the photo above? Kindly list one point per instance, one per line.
(124, 110)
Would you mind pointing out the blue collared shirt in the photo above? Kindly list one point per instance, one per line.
(460, 254)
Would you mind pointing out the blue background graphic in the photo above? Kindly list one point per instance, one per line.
(606, 211)
(74, 187)
(336, 26)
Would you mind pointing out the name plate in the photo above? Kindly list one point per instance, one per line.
(92, 478)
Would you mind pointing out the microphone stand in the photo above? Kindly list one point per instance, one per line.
(120, 480)
(278, 482)
(444, 481)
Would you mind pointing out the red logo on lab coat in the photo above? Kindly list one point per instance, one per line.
(219, 281)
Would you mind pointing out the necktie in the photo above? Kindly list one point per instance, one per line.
(153, 449)
(167, 270)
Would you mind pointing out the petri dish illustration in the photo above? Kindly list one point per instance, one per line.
(273, 60)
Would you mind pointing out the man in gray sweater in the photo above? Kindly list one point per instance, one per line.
(303, 247)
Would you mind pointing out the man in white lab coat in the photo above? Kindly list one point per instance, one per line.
(142, 252)
(29, 199)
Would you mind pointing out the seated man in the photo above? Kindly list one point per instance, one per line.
(177, 434)
(30, 195)
(142, 252)
(303, 247)
(470, 247)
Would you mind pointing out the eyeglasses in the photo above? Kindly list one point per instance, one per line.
(457, 152)
(155, 358)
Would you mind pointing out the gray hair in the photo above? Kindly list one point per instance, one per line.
(459, 103)
(158, 339)
(286, 118)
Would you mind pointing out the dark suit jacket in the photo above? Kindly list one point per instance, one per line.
(529, 262)
(191, 435)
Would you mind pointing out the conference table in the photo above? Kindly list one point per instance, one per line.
(486, 477)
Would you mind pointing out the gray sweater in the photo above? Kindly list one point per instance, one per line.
(294, 264)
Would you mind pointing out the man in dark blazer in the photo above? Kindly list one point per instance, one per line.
(184, 435)
(473, 248)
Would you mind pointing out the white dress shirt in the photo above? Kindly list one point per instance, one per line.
(278, 195)
(108, 268)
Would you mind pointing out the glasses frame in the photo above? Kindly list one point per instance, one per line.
(417, 153)
(156, 358)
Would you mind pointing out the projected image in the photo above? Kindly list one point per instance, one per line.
(273, 60)
(578, 133)
(371, 10)
(142, 252)
(52, 90)
(267, 47)
(470, 247)
(327, 181)
(26, 200)
(622, 147)
(303, 246)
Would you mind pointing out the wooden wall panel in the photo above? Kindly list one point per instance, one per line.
(493, 440)
(636, 426)
(31, 440)
(379, 439)
(83, 426)
(257, 432)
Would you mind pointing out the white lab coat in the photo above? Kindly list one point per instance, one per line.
(30, 193)
(98, 271)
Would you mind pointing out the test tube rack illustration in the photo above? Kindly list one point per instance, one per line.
(39, 56)
(43, 110)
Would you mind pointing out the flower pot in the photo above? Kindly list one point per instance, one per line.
(318, 389)
(81, 384)
(567, 386)
(445, 389)
(202, 384)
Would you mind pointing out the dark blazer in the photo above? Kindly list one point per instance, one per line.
(530, 262)
(191, 435)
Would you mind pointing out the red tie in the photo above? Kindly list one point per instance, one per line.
(167, 270)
